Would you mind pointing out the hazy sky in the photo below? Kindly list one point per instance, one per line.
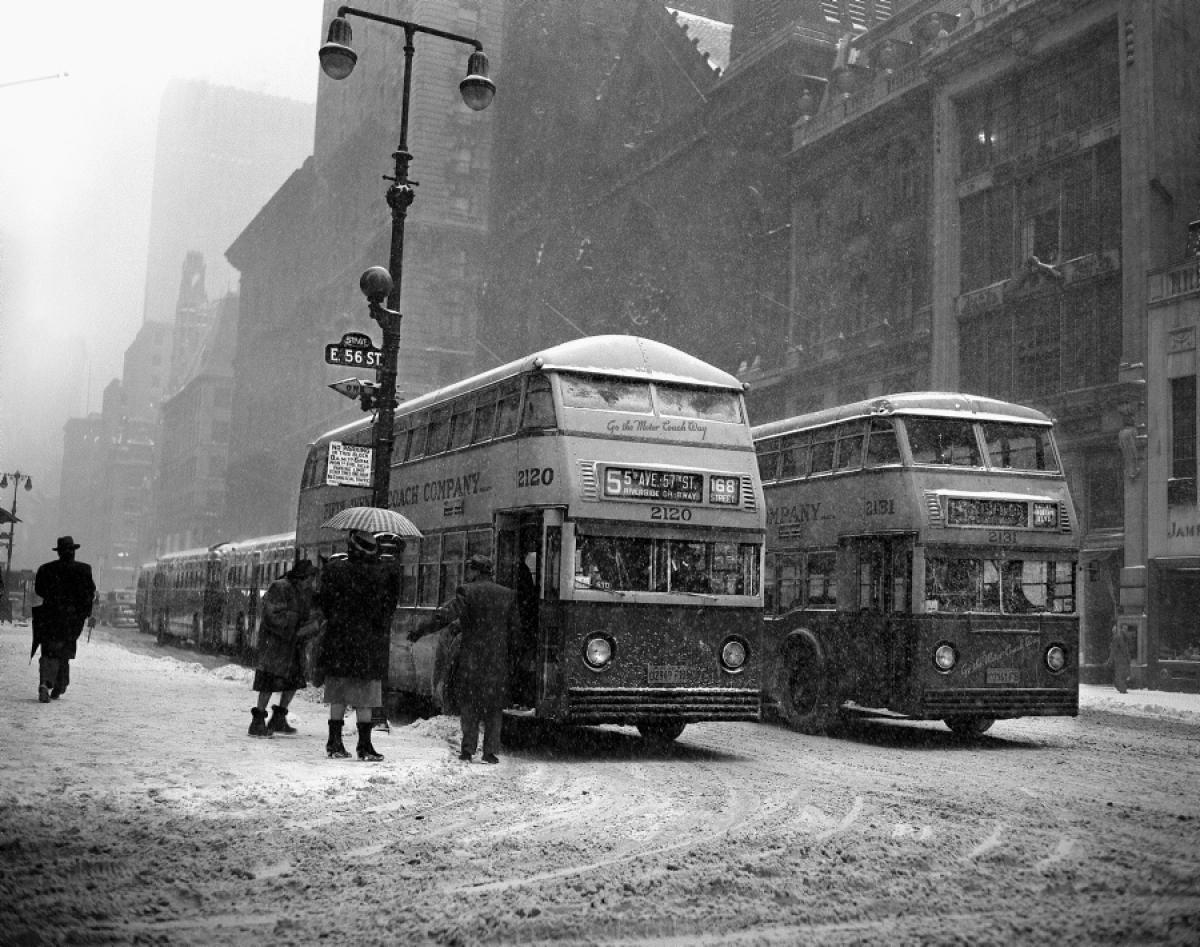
(76, 165)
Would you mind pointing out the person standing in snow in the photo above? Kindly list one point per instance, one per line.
(1119, 659)
(67, 592)
(488, 616)
(286, 624)
(358, 597)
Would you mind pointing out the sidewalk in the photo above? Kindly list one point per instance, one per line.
(1145, 703)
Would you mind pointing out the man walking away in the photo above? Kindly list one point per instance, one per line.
(487, 613)
(66, 590)
(286, 624)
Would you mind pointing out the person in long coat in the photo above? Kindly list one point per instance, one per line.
(1119, 659)
(488, 616)
(67, 592)
(287, 622)
(357, 597)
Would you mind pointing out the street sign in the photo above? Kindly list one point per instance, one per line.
(349, 464)
(354, 349)
(350, 387)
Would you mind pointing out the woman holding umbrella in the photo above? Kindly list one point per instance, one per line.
(357, 596)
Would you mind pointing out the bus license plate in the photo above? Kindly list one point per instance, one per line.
(666, 673)
(1003, 676)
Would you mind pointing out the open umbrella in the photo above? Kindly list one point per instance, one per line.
(373, 519)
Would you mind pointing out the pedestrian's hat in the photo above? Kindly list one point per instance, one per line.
(480, 564)
(363, 542)
(302, 569)
(66, 542)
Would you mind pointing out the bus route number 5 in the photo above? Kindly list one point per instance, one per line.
(535, 477)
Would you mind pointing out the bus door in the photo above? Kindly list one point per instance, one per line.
(875, 619)
(519, 560)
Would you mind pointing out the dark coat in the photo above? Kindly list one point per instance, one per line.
(286, 609)
(67, 591)
(487, 614)
(358, 599)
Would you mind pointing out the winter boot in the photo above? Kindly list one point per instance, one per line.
(258, 723)
(364, 749)
(333, 746)
(44, 693)
(278, 722)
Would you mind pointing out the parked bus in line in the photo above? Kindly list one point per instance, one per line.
(922, 553)
(613, 481)
(210, 595)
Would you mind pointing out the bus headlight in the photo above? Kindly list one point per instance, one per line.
(598, 652)
(1056, 658)
(945, 657)
(733, 654)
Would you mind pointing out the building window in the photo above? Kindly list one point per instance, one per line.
(986, 229)
(1181, 489)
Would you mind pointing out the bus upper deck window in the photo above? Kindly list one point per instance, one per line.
(882, 447)
(508, 408)
(945, 441)
(416, 437)
(462, 422)
(1019, 446)
(485, 417)
(607, 394)
(852, 436)
(822, 450)
(539, 403)
(707, 403)
(768, 459)
(439, 431)
(793, 456)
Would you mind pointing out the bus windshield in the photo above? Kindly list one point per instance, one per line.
(963, 583)
(1019, 446)
(649, 564)
(947, 441)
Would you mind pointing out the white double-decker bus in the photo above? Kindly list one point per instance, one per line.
(613, 480)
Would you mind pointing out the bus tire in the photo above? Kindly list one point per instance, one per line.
(969, 726)
(803, 687)
(661, 732)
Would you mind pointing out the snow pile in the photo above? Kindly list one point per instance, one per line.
(1142, 703)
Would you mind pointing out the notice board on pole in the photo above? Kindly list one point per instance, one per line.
(349, 465)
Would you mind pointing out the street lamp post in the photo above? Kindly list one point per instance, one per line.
(379, 285)
(17, 478)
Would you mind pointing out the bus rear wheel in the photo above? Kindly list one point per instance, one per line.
(661, 732)
(970, 726)
(803, 689)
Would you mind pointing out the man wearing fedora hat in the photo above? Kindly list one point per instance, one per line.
(67, 592)
(287, 621)
(487, 614)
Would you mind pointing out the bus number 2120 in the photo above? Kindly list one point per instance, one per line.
(535, 477)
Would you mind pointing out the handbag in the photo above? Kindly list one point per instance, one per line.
(314, 673)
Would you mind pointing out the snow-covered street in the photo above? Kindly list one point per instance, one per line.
(136, 810)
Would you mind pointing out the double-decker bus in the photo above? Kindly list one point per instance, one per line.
(921, 560)
(613, 481)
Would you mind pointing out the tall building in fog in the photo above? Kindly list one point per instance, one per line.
(221, 153)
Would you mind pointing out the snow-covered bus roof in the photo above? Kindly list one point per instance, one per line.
(625, 356)
(924, 403)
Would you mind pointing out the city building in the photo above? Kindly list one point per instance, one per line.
(301, 257)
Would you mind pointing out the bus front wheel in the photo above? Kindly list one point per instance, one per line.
(803, 689)
(969, 726)
(661, 732)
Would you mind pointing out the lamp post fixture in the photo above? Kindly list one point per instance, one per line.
(380, 286)
(16, 477)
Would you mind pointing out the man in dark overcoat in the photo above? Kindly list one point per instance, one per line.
(67, 591)
(488, 616)
(286, 625)
(357, 596)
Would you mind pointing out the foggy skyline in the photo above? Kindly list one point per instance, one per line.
(79, 103)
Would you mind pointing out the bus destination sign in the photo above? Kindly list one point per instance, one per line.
(982, 511)
(641, 483)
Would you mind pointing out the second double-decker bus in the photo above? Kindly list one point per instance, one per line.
(613, 481)
(921, 559)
